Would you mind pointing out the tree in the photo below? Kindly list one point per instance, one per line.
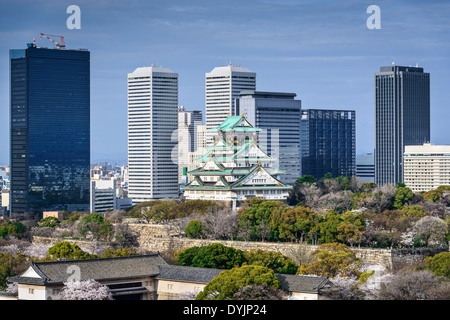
(431, 230)
(330, 260)
(256, 217)
(276, 261)
(439, 264)
(162, 212)
(343, 288)
(311, 195)
(228, 282)
(407, 285)
(194, 229)
(140, 209)
(351, 228)
(260, 292)
(432, 195)
(381, 198)
(339, 201)
(67, 250)
(123, 236)
(219, 223)
(296, 195)
(50, 222)
(298, 223)
(402, 196)
(190, 207)
(11, 265)
(328, 227)
(415, 211)
(215, 255)
(306, 179)
(85, 290)
(124, 252)
(11, 229)
(368, 187)
(97, 225)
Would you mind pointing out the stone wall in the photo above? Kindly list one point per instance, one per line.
(92, 247)
(160, 238)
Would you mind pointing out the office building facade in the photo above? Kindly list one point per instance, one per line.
(222, 87)
(152, 139)
(328, 142)
(402, 117)
(49, 129)
(188, 121)
(365, 167)
(278, 115)
(426, 167)
(103, 195)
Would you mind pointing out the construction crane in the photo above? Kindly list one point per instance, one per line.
(60, 44)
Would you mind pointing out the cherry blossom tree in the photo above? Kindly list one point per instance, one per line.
(85, 290)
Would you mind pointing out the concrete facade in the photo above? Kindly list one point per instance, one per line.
(426, 167)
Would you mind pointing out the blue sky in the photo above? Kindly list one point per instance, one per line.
(321, 50)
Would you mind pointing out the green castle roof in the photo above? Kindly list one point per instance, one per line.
(231, 123)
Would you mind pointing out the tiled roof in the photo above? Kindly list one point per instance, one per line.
(189, 274)
(297, 283)
(97, 269)
(229, 123)
(151, 265)
(301, 283)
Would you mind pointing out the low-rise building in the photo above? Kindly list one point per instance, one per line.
(138, 277)
(426, 167)
(56, 214)
(103, 195)
(365, 167)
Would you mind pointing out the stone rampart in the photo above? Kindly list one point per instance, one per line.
(152, 238)
(160, 238)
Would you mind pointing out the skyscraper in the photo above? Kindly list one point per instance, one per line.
(222, 87)
(278, 114)
(152, 138)
(49, 129)
(188, 121)
(402, 117)
(328, 142)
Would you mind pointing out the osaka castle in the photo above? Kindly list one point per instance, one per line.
(234, 168)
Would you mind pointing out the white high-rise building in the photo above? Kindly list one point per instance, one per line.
(152, 139)
(222, 86)
(103, 195)
(426, 167)
(188, 121)
(201, 137)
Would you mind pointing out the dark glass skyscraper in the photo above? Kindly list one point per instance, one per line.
(278, 114)
(328, 142)
(49, 129)
(402, 117)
